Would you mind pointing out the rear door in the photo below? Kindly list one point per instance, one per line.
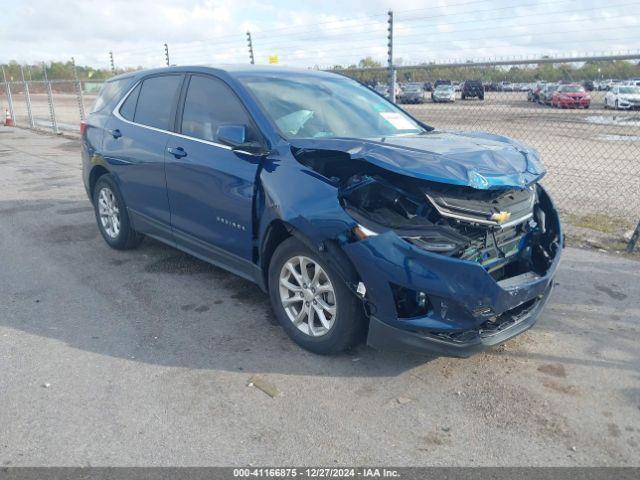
(135, 142)
(210, 186)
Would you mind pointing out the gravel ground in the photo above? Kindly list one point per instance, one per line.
(150, 357)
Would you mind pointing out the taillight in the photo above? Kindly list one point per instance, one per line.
(83, 127)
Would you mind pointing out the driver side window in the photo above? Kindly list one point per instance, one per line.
(208, 104)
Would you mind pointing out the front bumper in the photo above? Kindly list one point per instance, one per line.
(469, 310)
(567, 103)
(383, 336)
(628, 105)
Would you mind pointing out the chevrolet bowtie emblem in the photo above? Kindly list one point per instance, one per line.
(501, 217)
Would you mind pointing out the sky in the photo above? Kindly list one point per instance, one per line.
(311, 33)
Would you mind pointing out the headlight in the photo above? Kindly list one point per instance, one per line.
(435, 241)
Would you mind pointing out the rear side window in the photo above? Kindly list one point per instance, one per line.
(111, 90)
(156, 99)
(128, 108)
(210, 103)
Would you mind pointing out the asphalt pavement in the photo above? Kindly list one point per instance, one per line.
(151, 357)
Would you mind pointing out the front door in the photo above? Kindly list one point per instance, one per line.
(211, 187)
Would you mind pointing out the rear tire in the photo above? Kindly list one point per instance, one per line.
(344, 317)
(112, 216)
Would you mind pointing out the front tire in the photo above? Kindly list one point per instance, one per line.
(311, 300)
(112, 216)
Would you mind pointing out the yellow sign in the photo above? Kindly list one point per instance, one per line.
(273, 59)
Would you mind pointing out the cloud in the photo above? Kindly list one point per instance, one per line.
(309, 33)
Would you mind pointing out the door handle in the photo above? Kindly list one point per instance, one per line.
(115, 133)
(177, 152)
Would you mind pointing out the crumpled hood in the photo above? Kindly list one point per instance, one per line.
(475, 159)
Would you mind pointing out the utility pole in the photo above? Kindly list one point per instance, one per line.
(52, 111)
(392, 70)
(113, 65)
(27, 97)
(7, 91)
(79, 97)
(250, 44)
(166, 54)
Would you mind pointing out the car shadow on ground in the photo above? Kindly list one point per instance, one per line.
(158, 305)
(163, 306)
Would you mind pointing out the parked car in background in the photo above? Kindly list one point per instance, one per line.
(443, 93)
(490, 86)
(546, 93)
(571, 96)
(472, 89)
(428, 86)
(533, 94)
(588, 85)
(412, 93)
(356, 218)
(382, 89)
(505, 87)
(624, 97)
(437, 83)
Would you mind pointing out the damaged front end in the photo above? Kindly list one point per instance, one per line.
(449, 269)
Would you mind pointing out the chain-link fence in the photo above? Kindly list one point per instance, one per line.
(588, 132)
(587, 128)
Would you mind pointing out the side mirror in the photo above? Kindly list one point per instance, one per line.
(232, 135)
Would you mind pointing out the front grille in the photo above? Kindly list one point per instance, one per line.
(480, 206)
(507, 319)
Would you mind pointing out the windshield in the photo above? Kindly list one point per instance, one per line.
(304, 106)
(444, 88)
(630, 90)
(572, 89)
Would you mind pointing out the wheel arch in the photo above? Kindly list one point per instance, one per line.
(276, 233)
(328, 250)
(96, 172)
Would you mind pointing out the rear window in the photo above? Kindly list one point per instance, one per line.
(156, 100)
(110, 90)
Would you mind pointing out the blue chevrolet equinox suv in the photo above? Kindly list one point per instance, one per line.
(360, 221)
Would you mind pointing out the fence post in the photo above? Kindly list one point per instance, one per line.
(166, 54)
(113, 65)
(52, 111)
(392, 70)
(634, 239)
(7, 89)
(27, 97)
(250, 44)
(79, 96)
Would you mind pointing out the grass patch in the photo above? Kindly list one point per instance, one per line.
(598, 222)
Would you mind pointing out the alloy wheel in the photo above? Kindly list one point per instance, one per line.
(307, 296)
(109, 212)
